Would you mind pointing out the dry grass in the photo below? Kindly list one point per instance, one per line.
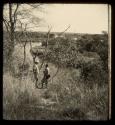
(67, 97)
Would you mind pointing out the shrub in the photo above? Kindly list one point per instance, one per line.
(95, 43)
(6, 50)
(93, 73)
(18, 68)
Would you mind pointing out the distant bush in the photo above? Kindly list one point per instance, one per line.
(102, 50)
(95, 43)
(93, 73)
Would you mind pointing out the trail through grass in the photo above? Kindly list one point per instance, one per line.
(66, 98)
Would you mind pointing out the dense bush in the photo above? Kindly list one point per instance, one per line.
(23, 101)
(6, 50)
(95, 43)
(18, 67)
(93, 60)
(92, 72)
(62, 52)
(102, 50)
(89, 53)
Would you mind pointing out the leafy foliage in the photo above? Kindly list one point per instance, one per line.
(89, 53)
(95, 43)
(7, 49)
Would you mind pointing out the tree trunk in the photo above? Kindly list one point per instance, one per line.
(30, 45)
(24, 55)
(11, 31)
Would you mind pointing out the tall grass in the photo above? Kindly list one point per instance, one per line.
(66, 98)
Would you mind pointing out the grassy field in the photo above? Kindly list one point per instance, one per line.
(66, 98)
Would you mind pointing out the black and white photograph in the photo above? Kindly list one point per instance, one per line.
(56, 61)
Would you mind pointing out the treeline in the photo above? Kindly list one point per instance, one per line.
(37, 36)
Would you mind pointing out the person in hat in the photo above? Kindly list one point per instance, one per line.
(36, 70)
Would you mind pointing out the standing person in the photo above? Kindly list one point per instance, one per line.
(46, 76)
(36, 71)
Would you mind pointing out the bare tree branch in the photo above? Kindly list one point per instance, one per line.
(45, 52)
(55, 74)
(15, 15)
(6, 22)
(35, 6)
(58, 45)
(16, 11)
(48, 35)
(6, 26)
(10, 12)
(65, 30)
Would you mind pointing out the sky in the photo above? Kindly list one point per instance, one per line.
(82, 18)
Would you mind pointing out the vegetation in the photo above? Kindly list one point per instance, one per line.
(78, 86)
(90, 54)
(79, 91)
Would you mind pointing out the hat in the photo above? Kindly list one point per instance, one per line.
(46, 65)
(36, 62)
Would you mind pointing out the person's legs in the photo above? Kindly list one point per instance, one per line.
(42, 82)
(46, 82)
(36, 84)
(34, 75)
(36, 79)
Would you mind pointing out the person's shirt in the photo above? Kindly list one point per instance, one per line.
(37, 60)
(48, 69)
(36, 68)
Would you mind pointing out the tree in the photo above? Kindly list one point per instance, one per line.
(13, 16)
(104, 32)
(10, 24)
(46, 50)
(24, 42)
